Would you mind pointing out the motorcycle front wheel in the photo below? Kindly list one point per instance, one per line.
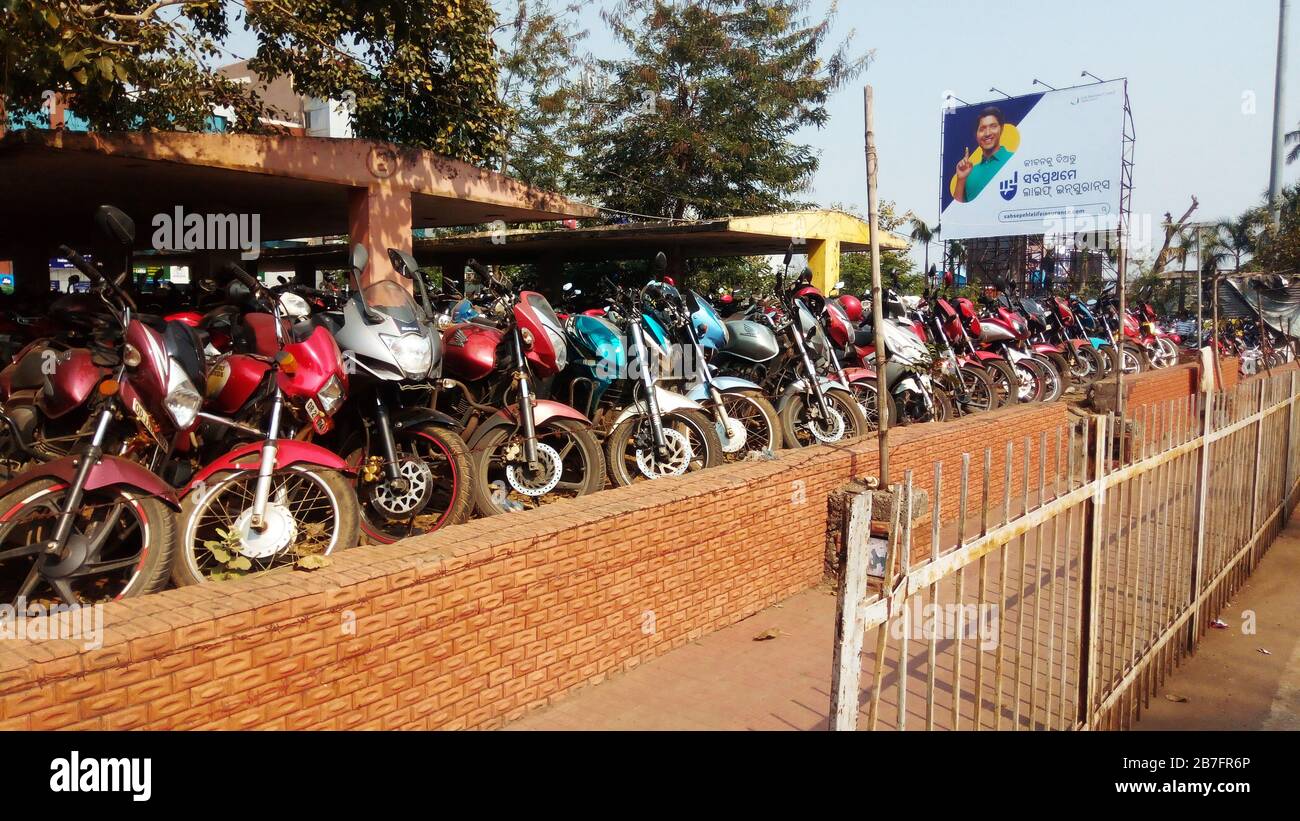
(121, 546)
(434, 464)
(692, 441)
(801, 430)
(864, 392)
(309, 512)
(571, 465)
(757, 423)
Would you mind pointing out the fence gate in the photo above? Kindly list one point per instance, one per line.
(1079, 574)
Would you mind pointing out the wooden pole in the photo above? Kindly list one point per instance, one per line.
(883, 403)
(850, 631)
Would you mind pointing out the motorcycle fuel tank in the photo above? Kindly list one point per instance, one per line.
(74, 376)
(231, 381)
(750, 340)
(469, 351)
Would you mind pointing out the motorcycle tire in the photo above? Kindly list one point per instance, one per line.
(1004, 380)
(1109, 360)
(25, 519)
(1062, 366)
(981, 395)
(864, 392)
(1053, 384)
(798, 434)
(762, 427)
(623, 454)
(331, 508)
(490, 486)
(450, 496)
(1134, 358)
(1089, 366)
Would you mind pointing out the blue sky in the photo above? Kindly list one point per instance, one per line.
(1194, 69)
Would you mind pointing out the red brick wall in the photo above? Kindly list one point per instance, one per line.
(478, 623)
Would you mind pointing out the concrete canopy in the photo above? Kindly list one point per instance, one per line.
(825, 234)
(51, 182)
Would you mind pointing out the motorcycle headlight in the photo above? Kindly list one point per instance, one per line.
(561, 349)
(413, 353)
(331, 396)
(182, 401)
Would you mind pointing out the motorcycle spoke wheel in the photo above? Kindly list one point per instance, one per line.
(304, 516)
(757, 418)
(124, 544)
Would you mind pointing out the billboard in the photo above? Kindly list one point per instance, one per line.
(1037, 164)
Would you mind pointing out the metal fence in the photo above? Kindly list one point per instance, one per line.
(1065, 603)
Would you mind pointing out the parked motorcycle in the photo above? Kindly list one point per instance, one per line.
(525, 451)
(413, 469)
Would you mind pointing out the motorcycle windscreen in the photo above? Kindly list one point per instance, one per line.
(392, 300)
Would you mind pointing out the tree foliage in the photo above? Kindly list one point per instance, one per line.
(537, 86)
(417, 72)
(699, 119)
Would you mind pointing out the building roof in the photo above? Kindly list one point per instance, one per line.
(51, 182)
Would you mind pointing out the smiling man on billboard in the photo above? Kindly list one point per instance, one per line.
(973, 174)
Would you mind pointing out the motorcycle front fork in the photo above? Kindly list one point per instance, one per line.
(265, 469)
(651, 397)
(526, 421)
(77, 490)
(715, 396)
(814, 384)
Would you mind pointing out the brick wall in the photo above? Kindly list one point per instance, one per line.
(478, 623)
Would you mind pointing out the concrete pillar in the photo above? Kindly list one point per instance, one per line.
(379, 218)
(32, 271)
(824, 260)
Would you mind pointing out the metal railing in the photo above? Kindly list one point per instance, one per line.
(1066, 603)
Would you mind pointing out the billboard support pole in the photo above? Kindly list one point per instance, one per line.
(1126, 192)
(883, 403)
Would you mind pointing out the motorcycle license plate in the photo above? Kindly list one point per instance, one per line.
(319, 419)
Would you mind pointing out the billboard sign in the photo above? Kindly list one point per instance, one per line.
(1044, 163)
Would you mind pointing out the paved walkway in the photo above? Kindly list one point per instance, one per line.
(731, 681)
(1229, 684)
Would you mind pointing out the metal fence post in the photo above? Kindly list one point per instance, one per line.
(1259, 445)
(850, 629)
(1202, 498)
(1093, 538)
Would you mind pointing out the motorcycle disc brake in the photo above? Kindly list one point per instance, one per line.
(419, 490)
(679, 456)
(544, 481)
(830, 429)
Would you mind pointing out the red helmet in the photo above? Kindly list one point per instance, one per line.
(726, 299)
(852, 307)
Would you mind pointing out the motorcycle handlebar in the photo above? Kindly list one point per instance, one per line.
(243, 276)
(79, 262)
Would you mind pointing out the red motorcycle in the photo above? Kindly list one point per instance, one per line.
(526, 451)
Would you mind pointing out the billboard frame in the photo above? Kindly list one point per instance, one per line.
(1128, 138)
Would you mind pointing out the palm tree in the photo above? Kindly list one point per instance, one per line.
(923, 233)
(1293, 137)
(1238, 236)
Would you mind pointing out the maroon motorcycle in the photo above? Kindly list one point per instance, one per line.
(526, 451)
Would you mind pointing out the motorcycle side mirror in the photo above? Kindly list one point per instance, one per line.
(568, 286)
(115, 223)
(839, 285)
(360, 257)
(403, 263)
(789, 254)
(660, 263)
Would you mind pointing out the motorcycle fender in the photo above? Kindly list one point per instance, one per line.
(700, 393)
(1080, 343)
(111, 471)
(289, 452)
(987, 356)
(669, 401)
(859, 374)
(544, 410)
(800, 386)
(412, 417)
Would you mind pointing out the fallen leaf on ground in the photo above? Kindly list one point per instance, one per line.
(1265, 652)
(1175, 698)
(1219, 623)
(767, 635)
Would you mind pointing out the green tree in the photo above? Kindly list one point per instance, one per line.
(698, 120)
(1278, 249)
(896, 267)
(421, 72)
(1237, 237)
